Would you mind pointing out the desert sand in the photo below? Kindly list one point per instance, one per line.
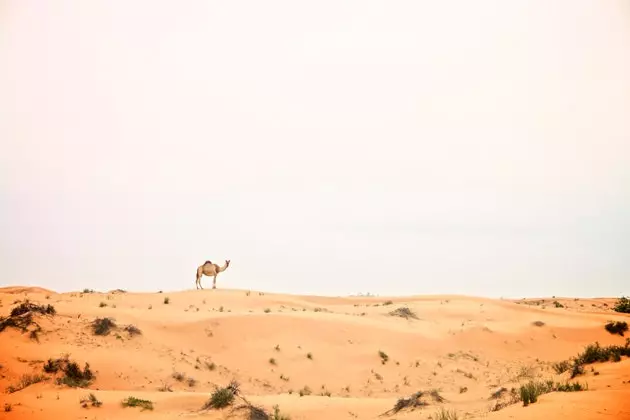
(465, 347)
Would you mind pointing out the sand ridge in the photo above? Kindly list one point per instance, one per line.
(278, 345)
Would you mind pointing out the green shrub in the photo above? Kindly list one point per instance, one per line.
(617, 327)
(137, 402)
(103, 326)
(622, 305)
(222, 397)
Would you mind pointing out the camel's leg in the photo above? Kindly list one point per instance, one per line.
(198, 282)
(214, 282)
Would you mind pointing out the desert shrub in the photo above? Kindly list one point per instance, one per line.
(26, 307)
(34, 334)
(384, 357)
(137, 402)
(595, 353)
(561, 367)
(52, 365)
(445, 414)
(167, 300)
(272, 361)
(133, 330)
(530, 392)
(416, 400)
(21, 317)
(277, 415)
(222, 397)
(388, 302)
(305, 391)
(557, 304)
(75, 377)
(90, 400)
(7, 407)
(538, 323)
(622, 305)
(102, 305)
(103, 326)
(25, 381)
(404, 312)
(309, 356)
(617, 327)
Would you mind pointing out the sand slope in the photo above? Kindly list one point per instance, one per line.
(464, 346)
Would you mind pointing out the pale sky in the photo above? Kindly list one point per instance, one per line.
(325, 147)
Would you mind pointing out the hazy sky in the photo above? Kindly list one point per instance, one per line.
(327, 147)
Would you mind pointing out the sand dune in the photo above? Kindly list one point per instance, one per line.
(278, 345)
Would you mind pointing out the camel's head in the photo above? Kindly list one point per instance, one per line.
(227, 263)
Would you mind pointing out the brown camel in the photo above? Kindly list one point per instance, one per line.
(211, 270)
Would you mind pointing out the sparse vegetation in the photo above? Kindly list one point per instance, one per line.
(272, 361)
(7, 407)
(404, 312)
(102, 305)
(309, 356)
(530, 392)
(416, 400)
(133, 330)
(557, 304)
(222, 397)
(617, 327)
(384, 357)
(167, 300)
(561, 367)
(90, 400)
(305, 391)
(267, 310)
(25, 381)
(75, 377)
(103, 326)
(28, 307)
(444, 414)
(388, 302)
(622, 305)
(137, 402)
(538, 323)
(178, 376)
(21, 318)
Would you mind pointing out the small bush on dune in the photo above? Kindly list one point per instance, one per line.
(617, 327)
(133, 330)
(73, 376)
(137, 402)
(622, 305)
(103, 326)
(26, 307)
(445, 414)
(404, 312)
(21, 317)
(415, 400)
(561, 367)
(222, 397)
(532, 390)
(25, 381)
(90, 400)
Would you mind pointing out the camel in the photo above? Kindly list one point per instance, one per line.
(211, 270)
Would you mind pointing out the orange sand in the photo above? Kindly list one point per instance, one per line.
(481, 344)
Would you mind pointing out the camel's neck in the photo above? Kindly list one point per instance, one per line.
(223, 268)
